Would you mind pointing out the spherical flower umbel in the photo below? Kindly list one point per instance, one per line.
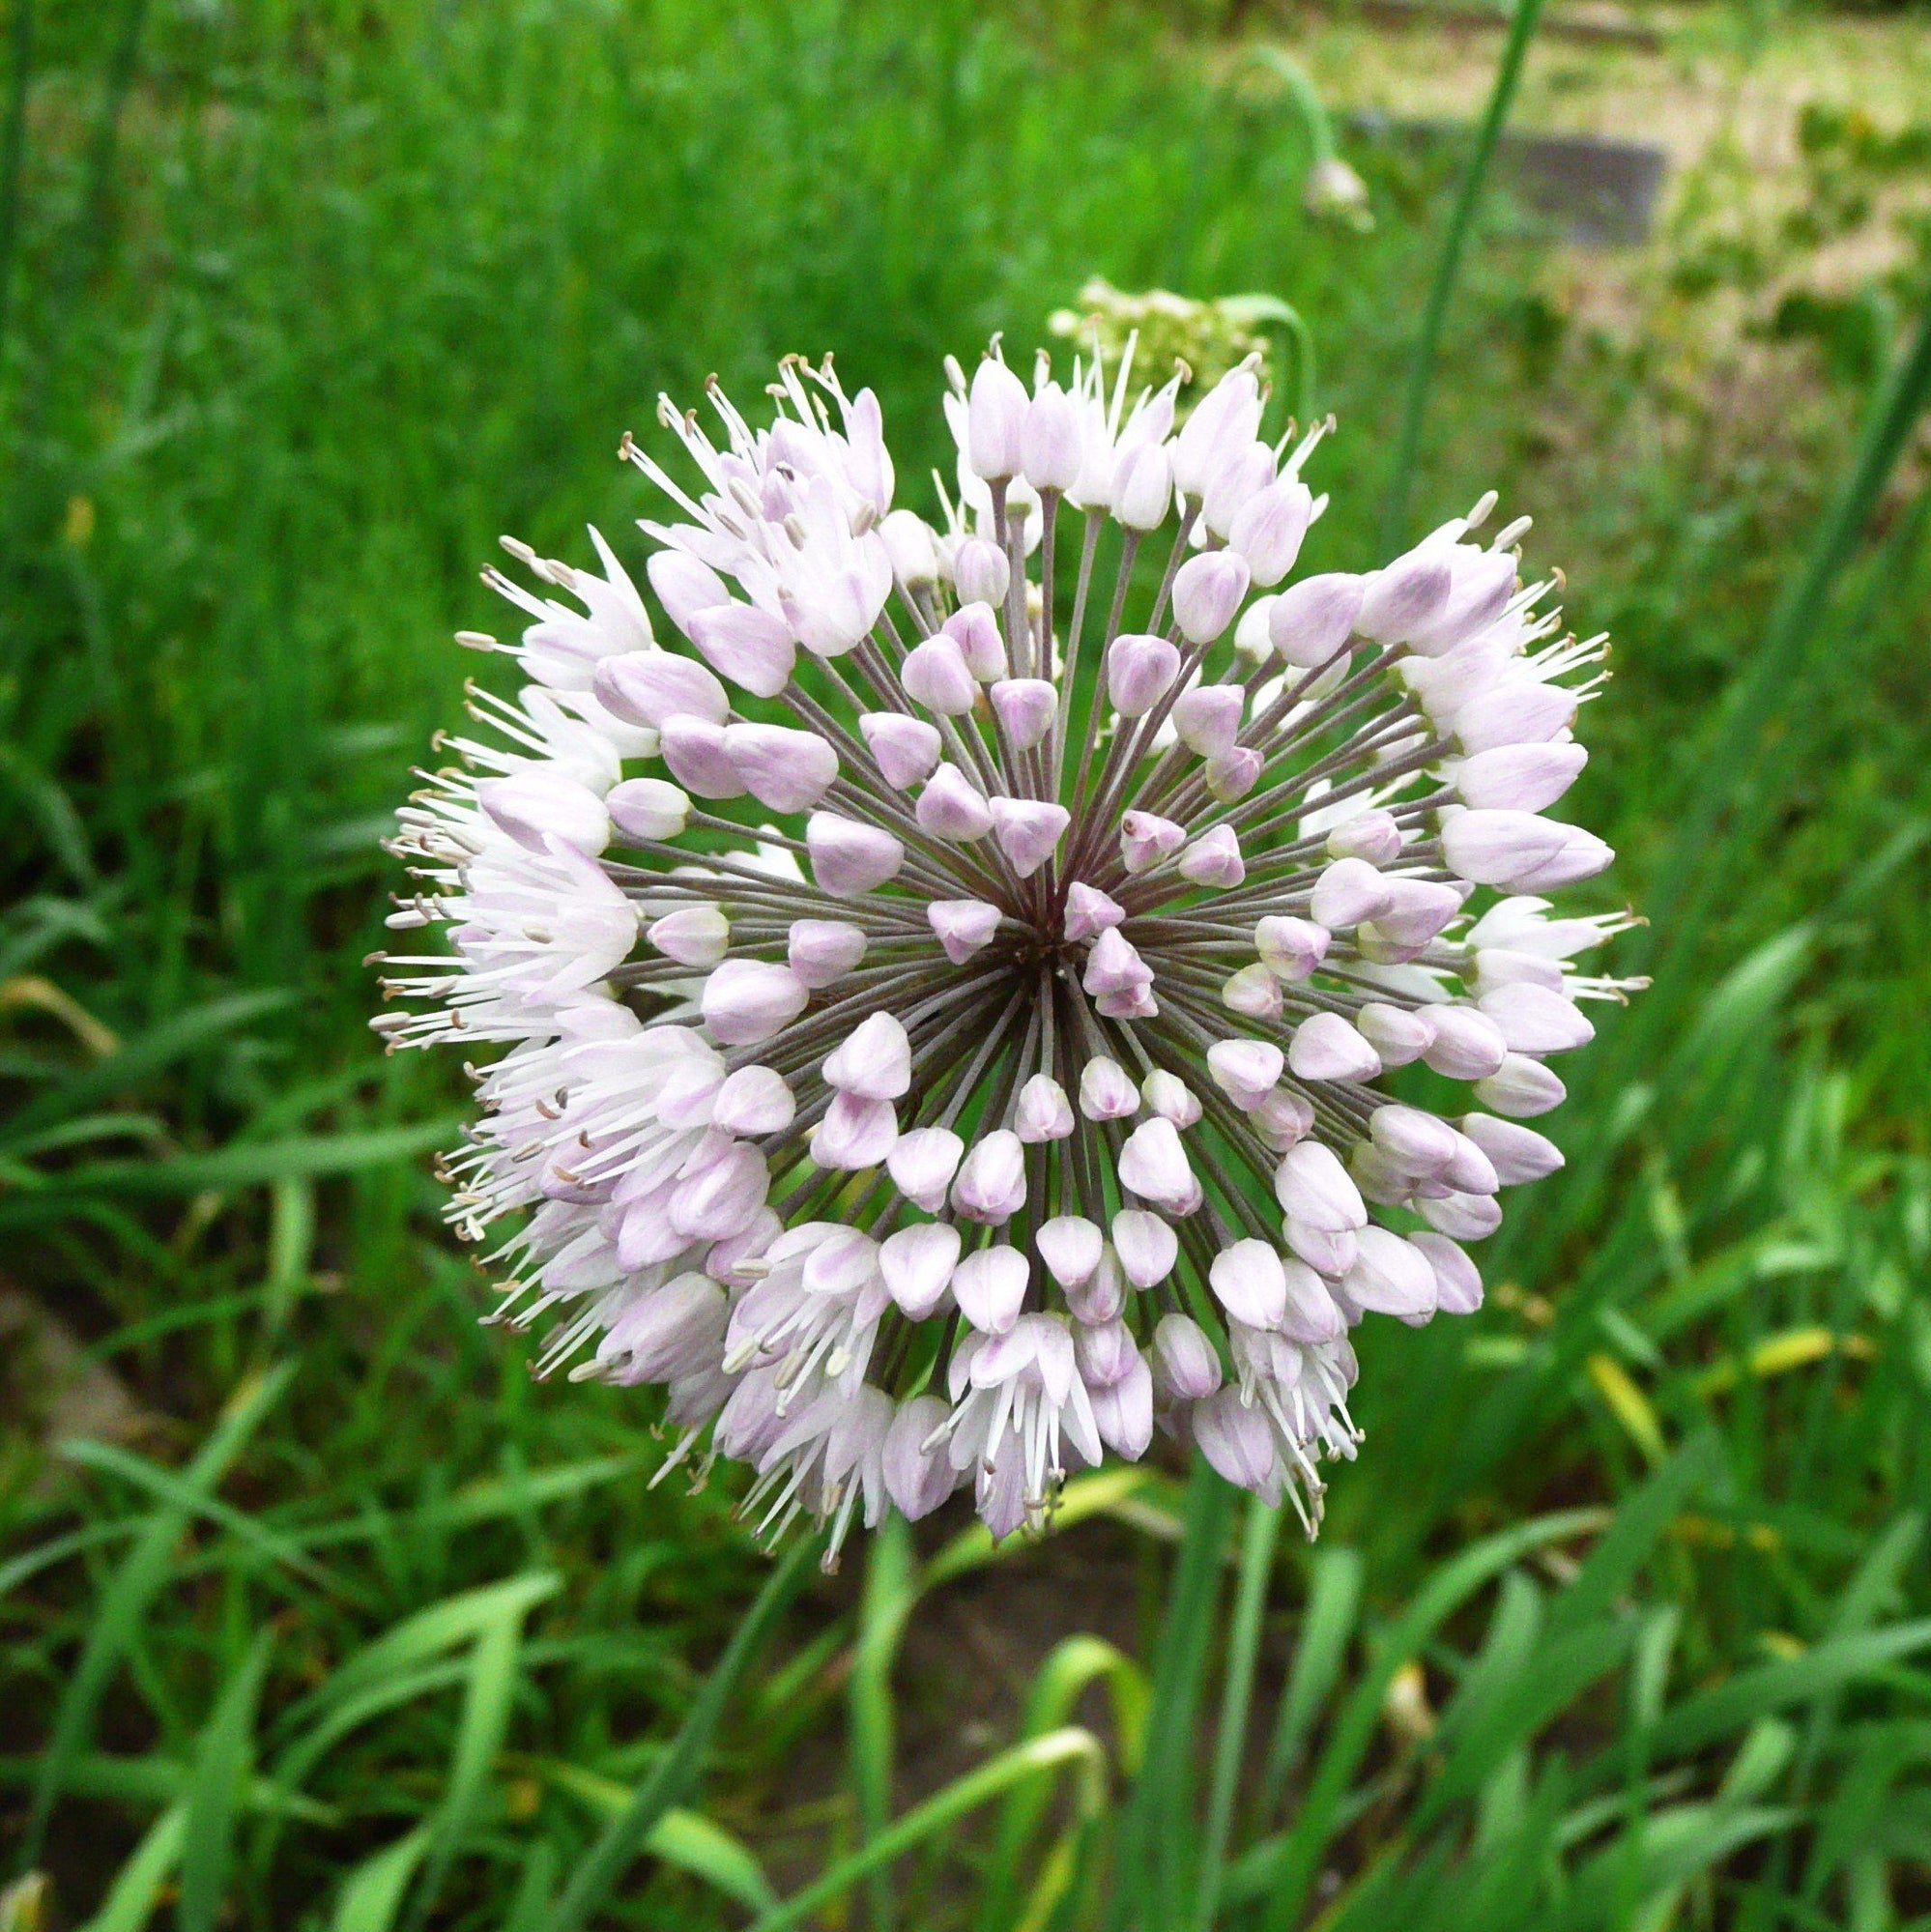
(927, 986)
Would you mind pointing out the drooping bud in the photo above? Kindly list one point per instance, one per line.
(694, 936)
(847, 858)
(748, 1000)
(823, 951)
(963, 926)
(1140, 669)
(907, 748)
(647, 808)
(1207, 590)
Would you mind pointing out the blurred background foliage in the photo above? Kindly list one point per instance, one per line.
(316, 1611)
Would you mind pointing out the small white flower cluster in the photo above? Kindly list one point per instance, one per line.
(949, 1055)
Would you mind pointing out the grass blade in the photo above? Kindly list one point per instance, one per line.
(137, 1885)
(676, 1772)
(1257, 1566)
(222, 1765)
(889, 1594)
(944, 1809)
(372, 1894)
(1333, 1598)
(1057, 1687)
(1151, 1854)
(494, 1665)
(128, 1595)
(1448, 268)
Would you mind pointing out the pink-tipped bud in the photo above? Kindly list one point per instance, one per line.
(1025, 708)
(1519, 777)
(1349, 891)
(1312, 620)
(1389, 1277)
(1208, 718)
(962, 926)
(909, 544)
(996, 413)
(936, 676)
(1406, 597)
(647, 808)
(748, 1000)
(1372, 835)
(981, 572)
(1327, 1047)
(1044, 1112)
(1146, 838)
(1028, 831)
(823, 951)
(1458, 1280)
(990, 1288)
(1249, 1281)
(1208, 591)
(917, 1265)
(1290, 948)
(1268, 528)
(1214, 859)
(975, 630)
(873, 1061)
(1147, 1248)
(1106, 1093)
(1234, 773)
(1050, 449)
(1313, 1188)
(1247, 1071)
(1089, 912)
(1517, 1154)
(788, 770)
(907, 748)
(1521, 1088)
(1070, 1246)
(648, 687)
(1222, 425)
(847, 858)
(1169, 1096)
(855, 1134)
(1283, 1119)
(1143, 486)
(1141, 669)
(991, 1186)
(922, 1164)
(693, 750)
(753, 1101)
(694, 936)
(1520, 851)
(1253, 993)
(746, 645)
(1533, 1019)
(951, 807)
(684, 586)
(1467, 1045)
(1185, 1365)
(1153, 1165)
(1399, 1036)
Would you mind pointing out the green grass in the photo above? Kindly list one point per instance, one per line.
(366, 1629)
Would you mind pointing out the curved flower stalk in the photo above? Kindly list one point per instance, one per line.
(937, 1020)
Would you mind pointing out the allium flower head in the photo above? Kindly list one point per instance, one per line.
(928, 989)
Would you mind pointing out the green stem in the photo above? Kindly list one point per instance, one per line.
(676, 1772)
(1256, 1565)
(891, 1591)
(14, 153)
(1473, 184)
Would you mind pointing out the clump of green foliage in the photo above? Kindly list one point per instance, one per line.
(1621, 1620)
